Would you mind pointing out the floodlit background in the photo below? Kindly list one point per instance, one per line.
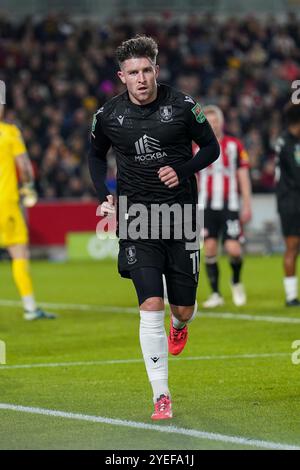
(56, 59)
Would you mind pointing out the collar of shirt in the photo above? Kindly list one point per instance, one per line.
(150, 106)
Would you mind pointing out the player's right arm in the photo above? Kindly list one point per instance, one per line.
(97, 162)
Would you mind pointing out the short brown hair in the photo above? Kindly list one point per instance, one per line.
(139, 46)
(292, 114)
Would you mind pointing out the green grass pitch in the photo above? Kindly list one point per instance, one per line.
(241, 382)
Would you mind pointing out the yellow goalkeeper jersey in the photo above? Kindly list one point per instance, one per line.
(11, 145)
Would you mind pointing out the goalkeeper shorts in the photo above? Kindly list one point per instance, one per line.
(13, 230)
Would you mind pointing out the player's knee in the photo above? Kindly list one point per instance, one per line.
(183, 313)
(18, 251)
(210, 247)
(152, 304)
(234, 250)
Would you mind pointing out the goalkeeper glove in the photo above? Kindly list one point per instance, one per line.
(28, 194)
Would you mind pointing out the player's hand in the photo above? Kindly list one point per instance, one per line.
(168, 176)
(107, 208)
(28, 195)
(246, 214)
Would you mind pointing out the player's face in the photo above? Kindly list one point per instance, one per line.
(216, 123)
(296, 130)
(139, 75)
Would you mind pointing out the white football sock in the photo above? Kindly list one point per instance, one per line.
(160, 387)
(181, 324)
(166, 300)
(29, 303)
(154, 345)
(291, 287)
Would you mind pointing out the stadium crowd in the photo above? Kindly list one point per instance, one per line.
(59, 71)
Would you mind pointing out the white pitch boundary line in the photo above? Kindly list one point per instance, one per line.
(136, 361)
(79, 307)
(116, 309)
(247, 317)
(151, 427)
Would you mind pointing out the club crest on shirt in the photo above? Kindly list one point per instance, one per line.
(131, 254)
(166, 113)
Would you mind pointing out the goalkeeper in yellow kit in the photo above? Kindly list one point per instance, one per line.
(13, 230)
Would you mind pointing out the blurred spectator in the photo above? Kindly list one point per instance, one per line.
(58, 72)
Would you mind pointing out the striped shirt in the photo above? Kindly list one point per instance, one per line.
(218, 183)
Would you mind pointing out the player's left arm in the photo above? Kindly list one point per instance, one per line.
(21, 157)
(27, 192)
(279, 157)
(199, 131)
(244, 182)
(25, 170)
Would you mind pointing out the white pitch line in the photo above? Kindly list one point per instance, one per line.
(247, 317)
(116, 309)
(244, 441)
(135, 361)
(79, 307)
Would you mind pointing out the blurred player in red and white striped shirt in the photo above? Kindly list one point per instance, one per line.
(220, 187)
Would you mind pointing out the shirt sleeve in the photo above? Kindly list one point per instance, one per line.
(18, 145)
(243, 157)
(199, 131)
(279, 150)
(97, 161)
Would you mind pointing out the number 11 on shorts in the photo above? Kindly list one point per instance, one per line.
(195, 260)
